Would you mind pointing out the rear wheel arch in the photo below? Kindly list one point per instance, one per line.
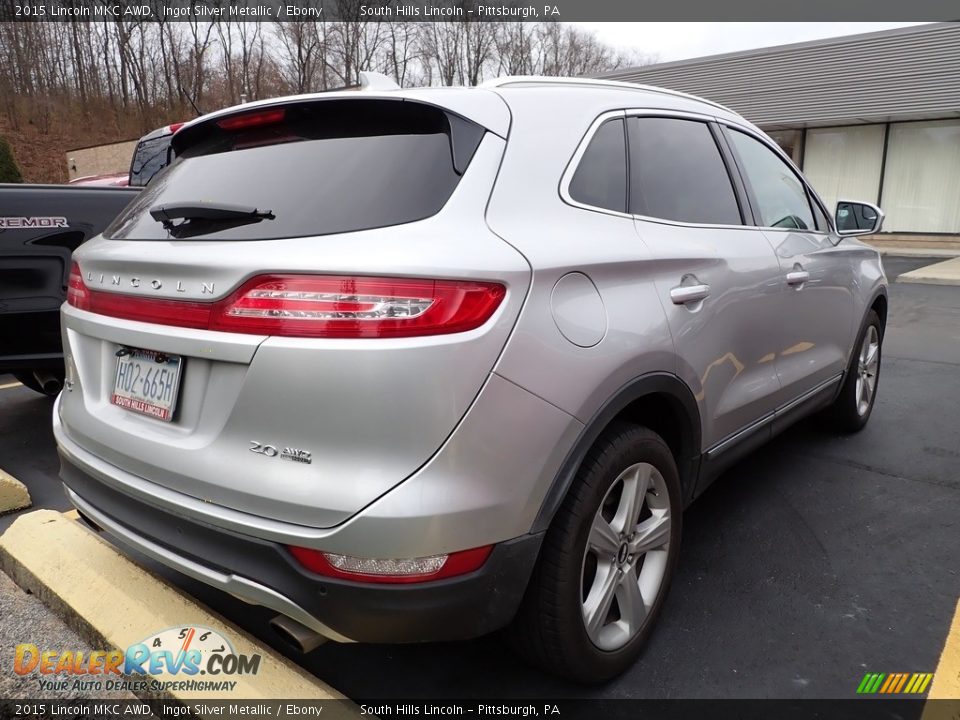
(660, 402)
(879, 306)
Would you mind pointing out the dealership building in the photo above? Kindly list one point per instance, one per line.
(872, 117)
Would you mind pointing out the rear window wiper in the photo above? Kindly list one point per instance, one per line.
(207, 213)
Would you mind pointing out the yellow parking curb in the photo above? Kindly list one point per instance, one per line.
(946, 678)
(114, 603)
(13, 494)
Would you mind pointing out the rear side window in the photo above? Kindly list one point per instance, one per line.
(601, 177)
(781, 198)
(677, 173)
(150, 157)
(317, 168)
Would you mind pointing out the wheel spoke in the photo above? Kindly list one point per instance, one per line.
(652, 533)
(872, 352)
(603, 539)
(635, 487)
(597, 605)
(633, 610)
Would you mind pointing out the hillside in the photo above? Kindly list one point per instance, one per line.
(40, 151)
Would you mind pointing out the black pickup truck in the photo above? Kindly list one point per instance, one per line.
(40, 226)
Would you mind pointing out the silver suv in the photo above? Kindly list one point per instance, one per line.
(410, 365)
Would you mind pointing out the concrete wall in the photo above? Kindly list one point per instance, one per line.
(100, 159)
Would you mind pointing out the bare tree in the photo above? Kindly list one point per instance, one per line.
(403, 52)
(353, 45)
(126, 76)
(300, 52)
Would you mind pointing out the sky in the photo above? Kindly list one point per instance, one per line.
(679, 40)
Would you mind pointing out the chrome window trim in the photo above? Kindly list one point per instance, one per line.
(574, 162)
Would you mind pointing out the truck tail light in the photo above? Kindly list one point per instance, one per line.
(393, 570)
(313, 306)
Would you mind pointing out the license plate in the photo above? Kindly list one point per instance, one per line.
(147, 382)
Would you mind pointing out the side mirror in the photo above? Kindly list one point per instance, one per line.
(858, 218)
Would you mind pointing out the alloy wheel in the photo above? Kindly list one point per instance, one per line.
(625, 559)
(868, 365)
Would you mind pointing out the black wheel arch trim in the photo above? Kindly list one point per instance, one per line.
(650, 384)
(881, 291)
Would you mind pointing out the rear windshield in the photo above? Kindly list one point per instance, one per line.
(318, 168)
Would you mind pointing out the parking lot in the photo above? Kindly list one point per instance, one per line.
(814, 561)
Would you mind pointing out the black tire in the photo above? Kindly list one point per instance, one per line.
(27, 379)
(549, 630)
(846, 413)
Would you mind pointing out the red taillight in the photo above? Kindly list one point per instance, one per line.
(313, 306)
(77, 293)
(353, 307)
(252, 119)
(176, 126)
(373, 570)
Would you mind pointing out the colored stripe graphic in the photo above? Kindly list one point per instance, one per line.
(891, 681)
(914, 683)
(894, 683)
(901, 682)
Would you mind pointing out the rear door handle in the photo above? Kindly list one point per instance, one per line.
(797, 277)
(684, 294)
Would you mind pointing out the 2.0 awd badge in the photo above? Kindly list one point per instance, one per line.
(287, 453)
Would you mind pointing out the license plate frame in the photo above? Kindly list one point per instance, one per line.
(161, 405)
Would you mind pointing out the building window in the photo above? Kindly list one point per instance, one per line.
(843, 163)
(922, 179)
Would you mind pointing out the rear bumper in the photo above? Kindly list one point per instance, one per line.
(485, 485)
(263, 573)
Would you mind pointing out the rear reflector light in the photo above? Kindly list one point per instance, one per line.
(129, 307)
(77, 293)
(252, 119)
(374, 570)
(317, 306)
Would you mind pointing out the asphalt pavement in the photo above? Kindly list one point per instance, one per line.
(812, 562)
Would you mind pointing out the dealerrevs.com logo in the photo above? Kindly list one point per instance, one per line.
(180, 658)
